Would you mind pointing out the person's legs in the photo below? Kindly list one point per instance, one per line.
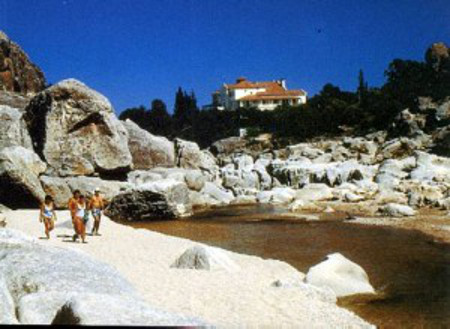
(96, 224)
(82, 232)
(47, 228)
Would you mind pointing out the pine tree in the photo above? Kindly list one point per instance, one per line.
(362, 87)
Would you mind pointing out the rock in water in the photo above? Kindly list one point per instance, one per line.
(19, 177)
(43, 285)
(397, 210)
(17, 72)
(148, 151)
(340, 275)
(163, 199)
(13, 131)
(74, 129)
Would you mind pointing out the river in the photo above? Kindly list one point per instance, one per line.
(408, 267)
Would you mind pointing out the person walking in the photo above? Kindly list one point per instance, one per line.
(48, 215)
(73, 205)
(96, 205)
(80, 219)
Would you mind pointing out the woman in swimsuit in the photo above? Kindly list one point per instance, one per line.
(48, 215)
(78, 222)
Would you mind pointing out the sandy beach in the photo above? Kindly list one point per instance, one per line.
(236, 295)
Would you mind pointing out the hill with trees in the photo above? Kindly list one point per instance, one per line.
(332, 112)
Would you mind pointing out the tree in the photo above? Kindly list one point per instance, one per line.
(136, 114)
(362, 87)
(159, 118)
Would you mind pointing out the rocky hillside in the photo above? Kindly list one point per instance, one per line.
(17, 73)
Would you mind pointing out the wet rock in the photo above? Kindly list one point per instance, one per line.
(148, 151)
(19, 177)
(341, 275)
(74, 129)
(13, 131)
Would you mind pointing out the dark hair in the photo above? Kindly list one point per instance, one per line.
(48, 198)
(76, 192)
(81, 196)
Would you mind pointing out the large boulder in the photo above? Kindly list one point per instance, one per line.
(61, 188)
(341, 275)
(148, 151)
(74, 129)
(162, 199)
(19, 177)
(13, 131)
(189, 156)
(17, 72)
(40, 284)
(58, 188)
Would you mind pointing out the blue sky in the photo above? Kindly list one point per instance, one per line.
(136, 50)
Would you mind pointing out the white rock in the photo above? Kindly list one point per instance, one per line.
(397, 210)
(315, 192)
(341, 275)
(217, 193)
(37, 280)
(205, 258)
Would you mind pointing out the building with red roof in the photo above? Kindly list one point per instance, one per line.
(265, 96)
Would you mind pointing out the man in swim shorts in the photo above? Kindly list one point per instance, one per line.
(96, 205)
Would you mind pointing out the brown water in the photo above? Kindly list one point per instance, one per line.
(411, 270)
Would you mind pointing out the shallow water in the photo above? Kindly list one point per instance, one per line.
(411, 270)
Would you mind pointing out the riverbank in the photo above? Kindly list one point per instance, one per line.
(237, 296)
(431, 221)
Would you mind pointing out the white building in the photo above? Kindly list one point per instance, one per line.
(265, 96)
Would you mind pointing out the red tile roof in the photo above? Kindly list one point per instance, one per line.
(273, 90)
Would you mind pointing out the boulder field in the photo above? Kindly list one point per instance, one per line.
(68, 138)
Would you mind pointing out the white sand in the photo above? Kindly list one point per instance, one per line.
(242, 297)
